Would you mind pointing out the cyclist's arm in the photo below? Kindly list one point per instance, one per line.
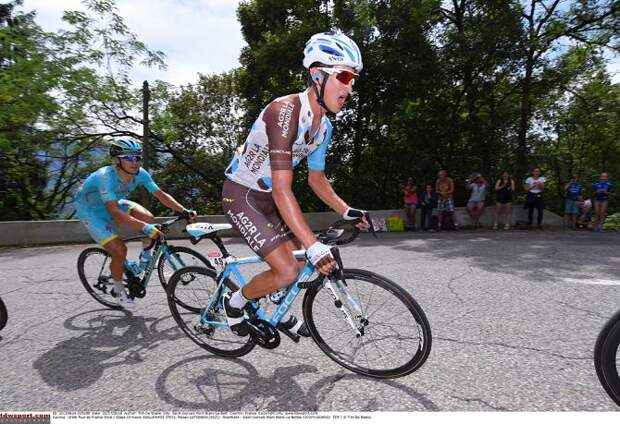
(288, 206)
(168, 201)
(321, 186)
(122, 217)
(450, 186)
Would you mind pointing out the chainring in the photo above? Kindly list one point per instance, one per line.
(263, 334)
(135, 288)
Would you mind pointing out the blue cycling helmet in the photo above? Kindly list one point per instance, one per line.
(331, 49)
(125, 146)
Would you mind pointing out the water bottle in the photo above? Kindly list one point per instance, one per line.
(133, 267)
(145, 257)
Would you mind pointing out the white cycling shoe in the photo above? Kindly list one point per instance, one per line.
(123, 300)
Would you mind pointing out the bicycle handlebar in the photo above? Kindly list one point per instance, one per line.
(333, 236)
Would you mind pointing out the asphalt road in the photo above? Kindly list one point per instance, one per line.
(514, 318)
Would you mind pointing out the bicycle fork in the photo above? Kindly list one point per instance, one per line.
(339, 293)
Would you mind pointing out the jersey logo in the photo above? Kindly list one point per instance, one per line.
(284, 118)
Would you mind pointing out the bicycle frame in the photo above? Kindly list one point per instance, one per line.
(160, 249)
(231, 268)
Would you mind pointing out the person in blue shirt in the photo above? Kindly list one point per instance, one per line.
(602, 191)
(572, 190)
(101, 203)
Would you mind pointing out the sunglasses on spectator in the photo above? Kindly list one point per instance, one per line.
(342, 75)
(132, 158)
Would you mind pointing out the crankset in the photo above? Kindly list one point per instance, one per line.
(135, 287)
(263, 334)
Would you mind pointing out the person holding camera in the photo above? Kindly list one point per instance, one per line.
(534, 186)
(475, 206)
(504, 190)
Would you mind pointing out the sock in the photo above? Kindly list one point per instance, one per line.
(238, 300)
(118, 287)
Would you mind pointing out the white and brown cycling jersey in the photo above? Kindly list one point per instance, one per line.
(279, 139)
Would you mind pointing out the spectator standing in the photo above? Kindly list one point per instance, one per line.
(444, 186)
(602, 190)
(428, 202)
(534, 186)
(475, 205)
(410, 195)
(504, 190)
(572, 191)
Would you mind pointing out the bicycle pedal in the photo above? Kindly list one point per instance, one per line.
(294, 337)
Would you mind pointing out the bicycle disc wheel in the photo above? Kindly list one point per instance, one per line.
(196, 286)
(607, 357)
(395, 336)
(94, 271)
(178, 257)
(4, 315)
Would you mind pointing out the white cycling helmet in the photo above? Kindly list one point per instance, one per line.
(332, 48)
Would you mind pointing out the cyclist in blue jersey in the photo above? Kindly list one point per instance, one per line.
(602, 191)
(101, 203)
(257, 196)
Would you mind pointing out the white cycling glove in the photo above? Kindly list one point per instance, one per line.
(317, 251)
(351, 214)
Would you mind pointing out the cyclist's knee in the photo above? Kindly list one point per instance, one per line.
(286, 275)
(117, 249)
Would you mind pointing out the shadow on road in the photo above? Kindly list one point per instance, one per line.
(108, 339)
(214, 383)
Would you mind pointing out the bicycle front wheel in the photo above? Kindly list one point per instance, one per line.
(607, 357)
(4, 315)
(94, 271)
(197, 286)
(379, 332)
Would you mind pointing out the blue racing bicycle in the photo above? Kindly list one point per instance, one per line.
(94, 263)
(361, 320)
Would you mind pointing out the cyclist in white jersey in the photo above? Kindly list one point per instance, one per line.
(257, 196)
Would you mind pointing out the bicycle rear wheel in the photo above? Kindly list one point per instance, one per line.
(391, 338)
(4, 315)
(94, 271)
(607, 357)
(197, 286)
(178, 257)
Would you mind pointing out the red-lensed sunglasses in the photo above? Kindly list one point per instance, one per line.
(342, 75)
(132, 158)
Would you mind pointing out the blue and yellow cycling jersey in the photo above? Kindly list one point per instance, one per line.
(104, 185)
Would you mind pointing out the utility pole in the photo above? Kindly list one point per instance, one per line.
(147, 149)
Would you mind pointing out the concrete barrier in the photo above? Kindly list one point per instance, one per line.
(15, 233)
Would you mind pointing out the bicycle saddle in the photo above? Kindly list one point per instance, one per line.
(201, 229)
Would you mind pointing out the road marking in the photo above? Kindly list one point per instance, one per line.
(594, 281)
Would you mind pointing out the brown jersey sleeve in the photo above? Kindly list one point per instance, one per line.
(281, 118)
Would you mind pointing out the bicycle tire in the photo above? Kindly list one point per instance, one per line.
(607, 357)
(99, 295)
(4, 315)
(376, 283)
(241, 345)
(161, 271)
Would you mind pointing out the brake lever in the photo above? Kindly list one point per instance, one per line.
(372, 227)
(336, 254)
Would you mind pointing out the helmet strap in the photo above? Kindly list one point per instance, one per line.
(319, 95)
